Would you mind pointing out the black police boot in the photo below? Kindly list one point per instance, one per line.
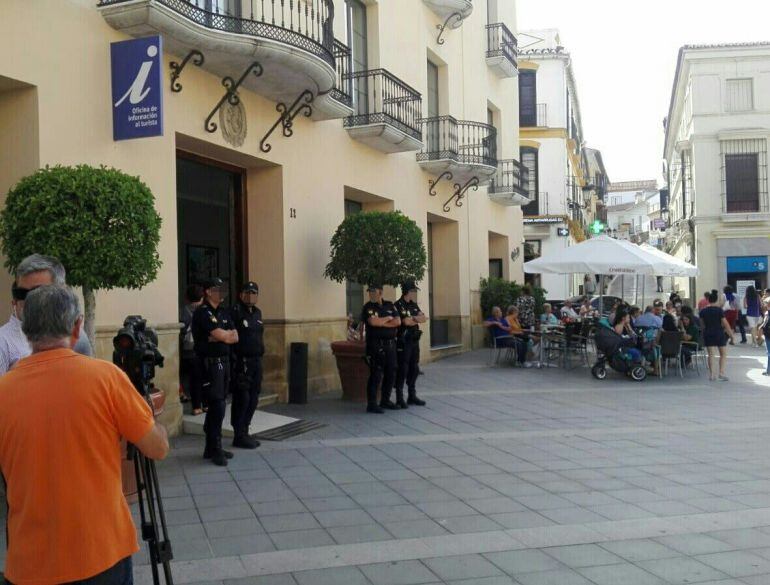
(244, 441)
(400, 402)
(388, 405)
(212, 447)
(375, 409)
(414, 400)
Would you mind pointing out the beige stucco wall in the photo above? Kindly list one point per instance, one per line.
(64, 117)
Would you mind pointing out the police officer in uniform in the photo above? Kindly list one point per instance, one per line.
(382, 323)
(213, 334)
(408, 346)
(247, 353)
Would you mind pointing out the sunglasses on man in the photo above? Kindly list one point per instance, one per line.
(20, 293)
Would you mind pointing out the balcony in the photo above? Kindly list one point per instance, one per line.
(534, 117)
(446, 8)
(537, 206)
(501, 51)
(292, 39)
(387, 112)
(465, 149)
(509, 185)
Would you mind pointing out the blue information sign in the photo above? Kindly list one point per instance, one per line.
(137, 91)
(746, 264)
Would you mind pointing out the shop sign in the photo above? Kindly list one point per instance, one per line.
(746, 264)
(658, 224)
(542, 220)
(137, 90)
(564, 232)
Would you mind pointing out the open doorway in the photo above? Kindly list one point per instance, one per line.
(210, 223)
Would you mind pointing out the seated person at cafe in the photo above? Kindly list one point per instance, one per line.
(567, 312)
(687, 310)
(512, 317)
(501, 331)
(690, 337)
(634, 313)
(548, 319)
(670, 320)
(649, 320)
(586, 310)
(622, 326)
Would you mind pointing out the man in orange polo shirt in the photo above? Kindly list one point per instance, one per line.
(61, 419)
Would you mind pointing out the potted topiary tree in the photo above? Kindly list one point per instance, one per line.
(371, 247)
(100, 223)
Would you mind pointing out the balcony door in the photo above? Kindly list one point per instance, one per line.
(359, 54)
(527, 98)
(529, 161)
(432, 129)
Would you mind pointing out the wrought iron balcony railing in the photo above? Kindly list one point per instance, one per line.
(531, 117)
(511, 177)
(343, 87)
(468, 143)
(382, 98)
(305, 24)
(538, 205)
(501, 42)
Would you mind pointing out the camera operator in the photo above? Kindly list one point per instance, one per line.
(213, 333)
(61, 419)
(34, 271)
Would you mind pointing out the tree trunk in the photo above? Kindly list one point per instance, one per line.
(89, 310)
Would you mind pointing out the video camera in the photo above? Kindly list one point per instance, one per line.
(136, 352)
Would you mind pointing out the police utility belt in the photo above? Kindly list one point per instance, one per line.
(383, 341)
(216, 360)
(412, 334)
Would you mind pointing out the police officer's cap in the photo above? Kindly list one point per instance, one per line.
(409, 286)
(214, 282)
(375, 286)
(250, 287)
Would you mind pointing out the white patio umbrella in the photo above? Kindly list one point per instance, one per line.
(600, 255)
(678, 267)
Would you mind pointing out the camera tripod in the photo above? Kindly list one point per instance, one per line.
(152, 516)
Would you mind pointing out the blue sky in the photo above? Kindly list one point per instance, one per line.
(624, 55)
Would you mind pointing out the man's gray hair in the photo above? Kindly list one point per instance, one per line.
(50, 313)
(38, 263)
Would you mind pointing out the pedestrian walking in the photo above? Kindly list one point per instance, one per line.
(247, 353)
(189, 373)
(408, 345)
(213, 334)
(752, 306)
(382, 323)
(589, 286)
(730, 308)
(764, 328)
(62, 416)
(716, 330)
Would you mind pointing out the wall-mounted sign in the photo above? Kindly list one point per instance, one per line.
(658, 224)
(746, 264)
(542, 220)
(564, 232)
(137, 91)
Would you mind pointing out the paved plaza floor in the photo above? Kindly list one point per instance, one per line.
(507, 476)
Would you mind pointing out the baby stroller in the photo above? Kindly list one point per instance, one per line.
(609, 346)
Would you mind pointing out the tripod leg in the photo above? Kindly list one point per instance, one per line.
(141, 488)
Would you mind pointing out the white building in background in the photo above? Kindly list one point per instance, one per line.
(552, 148)
(716, 158)
(634, 212)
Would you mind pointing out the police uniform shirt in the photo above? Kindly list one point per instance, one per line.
(407, 309)
(205, 319)
(372, 309)
(248, 322)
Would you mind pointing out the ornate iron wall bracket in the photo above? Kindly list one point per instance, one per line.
(432, 184)
(442, 27)
(231, 94)
(177, 68)
(302, 105)
(460, 192)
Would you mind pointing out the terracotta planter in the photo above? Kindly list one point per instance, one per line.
(128, 475)
(352, 369)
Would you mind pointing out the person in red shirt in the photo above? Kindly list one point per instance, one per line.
(704, 302)
(62, 416)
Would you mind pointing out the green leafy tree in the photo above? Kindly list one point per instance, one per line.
(100, 222)
(498, 292)
(377, 247)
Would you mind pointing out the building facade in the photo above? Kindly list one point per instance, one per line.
(278, 119)
(716, 164)
(634, 212)
(552, 151)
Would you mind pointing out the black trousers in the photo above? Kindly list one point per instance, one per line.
(408, 367)
(246, 387)
(215, 383)
(381, 356)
